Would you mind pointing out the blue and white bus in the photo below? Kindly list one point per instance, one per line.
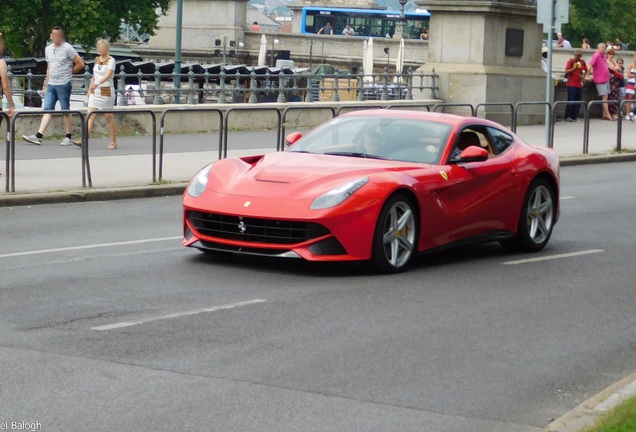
(365, 22)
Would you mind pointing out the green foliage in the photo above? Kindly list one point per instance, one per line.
(600, 21)
(620, 419)
(26, 24)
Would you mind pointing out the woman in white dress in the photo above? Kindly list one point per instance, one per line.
(101, 93)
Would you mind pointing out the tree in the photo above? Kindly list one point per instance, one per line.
(600, 21)
(26, 24)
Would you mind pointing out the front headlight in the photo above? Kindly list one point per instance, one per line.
(199, 182)
(338, 195)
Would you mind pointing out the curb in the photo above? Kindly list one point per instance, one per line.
(150, 191)
(598, 159)
(586, 414)
(86, 195)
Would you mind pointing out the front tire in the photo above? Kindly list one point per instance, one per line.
(538, 216)
(396, 235)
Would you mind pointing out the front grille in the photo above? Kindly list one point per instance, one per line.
(254, 230)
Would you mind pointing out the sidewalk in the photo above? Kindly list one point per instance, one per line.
(50, 167)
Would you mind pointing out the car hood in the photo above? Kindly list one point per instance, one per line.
(296, 176)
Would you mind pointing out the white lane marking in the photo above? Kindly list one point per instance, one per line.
(178, 315)
(91, 246)
(566, 198)
(554, 257)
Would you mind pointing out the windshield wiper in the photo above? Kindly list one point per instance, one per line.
(355, 154)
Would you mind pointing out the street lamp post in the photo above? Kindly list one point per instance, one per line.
(177, 51)
(274, 42)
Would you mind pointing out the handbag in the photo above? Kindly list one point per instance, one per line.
(105, 91)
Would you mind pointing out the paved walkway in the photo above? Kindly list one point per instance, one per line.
(51, 167)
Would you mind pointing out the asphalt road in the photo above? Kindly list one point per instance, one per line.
(101, 332)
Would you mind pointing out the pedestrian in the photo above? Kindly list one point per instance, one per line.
(424, 34)
(622, 91)
(255, 27)
(619, 45)
(101, 92)
(5, 84)
(326, 30)
(62, 62)
(348, 31)
(598, 72)
(563, 42)
(575, 70)
(586, 44)
(560, 40)
(615, 78)
(630, 89)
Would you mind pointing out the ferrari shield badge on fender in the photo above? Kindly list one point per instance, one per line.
(444, 175)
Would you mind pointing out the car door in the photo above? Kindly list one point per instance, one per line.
(476, 197)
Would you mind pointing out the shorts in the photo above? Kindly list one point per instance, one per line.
(55, 93)
(603, 89)
(630, 88)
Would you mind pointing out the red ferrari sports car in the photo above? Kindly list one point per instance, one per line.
(380, 185)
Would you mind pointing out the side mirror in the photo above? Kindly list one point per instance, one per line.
(292, 138)
(473, 154)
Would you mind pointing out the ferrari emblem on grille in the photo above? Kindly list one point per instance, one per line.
(241, 227)
(247, 203)
(444, 175)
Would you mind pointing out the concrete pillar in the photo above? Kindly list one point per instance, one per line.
(203, 22)
(486, 51)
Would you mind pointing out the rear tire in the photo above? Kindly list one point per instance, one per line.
(537, 219)
(396, 236)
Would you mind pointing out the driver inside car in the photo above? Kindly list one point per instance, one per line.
(370, 143)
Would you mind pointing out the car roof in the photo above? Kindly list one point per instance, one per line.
(450, 119)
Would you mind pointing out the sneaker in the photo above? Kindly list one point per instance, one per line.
(569, 120)
(631, 117)
(66, 142)
(32, 139)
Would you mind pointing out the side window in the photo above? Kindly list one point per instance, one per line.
(500, 140)
(471, 136)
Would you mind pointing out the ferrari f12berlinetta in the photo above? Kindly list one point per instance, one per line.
(380, 185)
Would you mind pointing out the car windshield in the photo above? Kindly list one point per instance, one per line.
(398, 139)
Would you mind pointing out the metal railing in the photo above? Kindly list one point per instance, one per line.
(244, 85)
(281, 113)
(21, 114)
(162, 124)
(86, 173)
(4, 118)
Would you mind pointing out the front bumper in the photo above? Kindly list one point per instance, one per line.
(280, 228)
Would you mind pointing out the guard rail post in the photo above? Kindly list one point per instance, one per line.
(518, 105)
(157, 100)
(454, 105)
(283, 123)
(7, 172)
(586, 138)
(335, 97)
(555, 105)
(253, 98)
(200, 109)
(12, 128)
(249, 108)
(123, 101)
(127, 112)
(496, 104)
(87, 81)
